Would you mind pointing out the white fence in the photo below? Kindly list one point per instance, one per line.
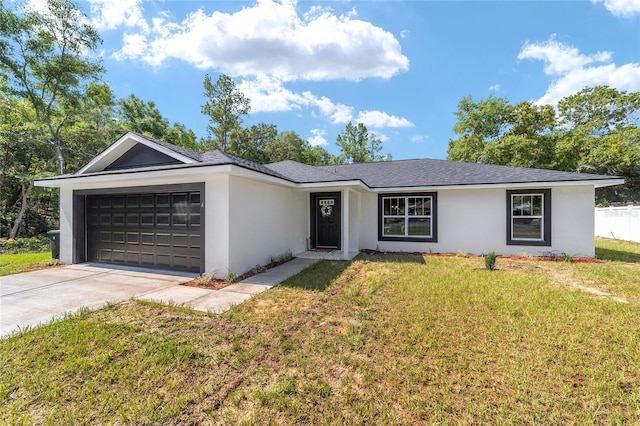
(622, 223)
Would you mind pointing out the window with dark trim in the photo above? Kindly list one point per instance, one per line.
(407, 217)
(529, 217)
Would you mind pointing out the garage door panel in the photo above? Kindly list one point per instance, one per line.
(133, 238)
(147, 239)
(158, 230)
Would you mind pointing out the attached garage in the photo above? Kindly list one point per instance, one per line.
(146, 227)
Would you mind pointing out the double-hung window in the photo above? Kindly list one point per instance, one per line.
(407, 217)
(529, 217)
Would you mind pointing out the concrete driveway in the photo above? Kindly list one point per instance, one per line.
(37, 297)
(34, 298)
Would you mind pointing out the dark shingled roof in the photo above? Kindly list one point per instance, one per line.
(384, 174)
(423, 172)
(304, 173)
(430, 172)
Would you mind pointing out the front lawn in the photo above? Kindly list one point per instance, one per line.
(391, 339)
(616, 250)
(21, 262)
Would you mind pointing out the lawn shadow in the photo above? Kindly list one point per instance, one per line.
(319, 276)
(617, 255)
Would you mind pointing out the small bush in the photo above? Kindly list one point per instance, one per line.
(24, 245)
(205, 279)
(490, 261)
(230, 277)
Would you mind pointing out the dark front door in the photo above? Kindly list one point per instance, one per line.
(326, 218)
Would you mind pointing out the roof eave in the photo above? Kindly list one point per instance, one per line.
(598, 183)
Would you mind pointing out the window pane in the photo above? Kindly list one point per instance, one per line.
(525, 228)
(420, 226)
(537, 205)
(516, 205)
(393, 226)
(412, 206)
(387, 206)
(400, 206)
(426, 205)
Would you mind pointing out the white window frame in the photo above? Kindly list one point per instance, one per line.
(406, 216)
(531, 216)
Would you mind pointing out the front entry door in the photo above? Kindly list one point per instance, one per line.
(327, 220)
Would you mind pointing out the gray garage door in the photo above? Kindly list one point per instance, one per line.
(157, 230)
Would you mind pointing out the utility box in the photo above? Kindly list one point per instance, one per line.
(55, 243)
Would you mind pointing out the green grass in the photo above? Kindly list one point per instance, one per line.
(15, 263)
(616, 250)
(385, 339)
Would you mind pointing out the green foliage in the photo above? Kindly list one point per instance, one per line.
(24, 245)
(594, 131)
(358, 145)
(46, 59)
(230, 277)
(225, 105)
(490, 261)
(144, 117)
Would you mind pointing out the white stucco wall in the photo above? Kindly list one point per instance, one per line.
(474, 221)
(266, 220)
(354, 213)
(216, 225)
(66, 225)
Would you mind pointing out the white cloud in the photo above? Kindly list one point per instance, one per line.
(558, 57)
(272, 38)
(111, 14)
(133, 45)
(378, 119)
(621, 8)
(418, 138)
(573, 71)
(270, 95)
(495, 88)
(318, 138)
(383, 138)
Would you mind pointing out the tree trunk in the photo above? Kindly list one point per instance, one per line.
(59, 158)
(23, 209)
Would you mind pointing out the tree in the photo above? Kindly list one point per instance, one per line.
(225, 106)
(22, 158)
(357, 145)
(45, 57)
(595, 131)
(289, 146)
(251, 143)
(143, 117)
(599, 110)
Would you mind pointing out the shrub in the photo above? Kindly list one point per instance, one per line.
(490, 261)
(205, 279)
(230, 277)
(24, 245)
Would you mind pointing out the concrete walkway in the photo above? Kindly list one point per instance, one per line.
(33, 298)
(222, 300)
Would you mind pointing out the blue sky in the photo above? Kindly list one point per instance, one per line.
(400, 67)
